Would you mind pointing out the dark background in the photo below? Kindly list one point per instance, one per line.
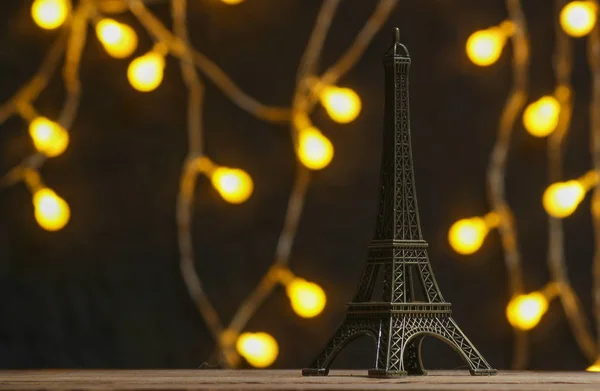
(106, 290)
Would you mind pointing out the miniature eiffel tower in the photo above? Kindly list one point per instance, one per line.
(398, 322)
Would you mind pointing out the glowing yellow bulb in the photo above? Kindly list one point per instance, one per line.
(145, 73)
(232, 1)
(525, 311)
(541, 117)
(50, 14)
(595, 367)
(118, 39)
(485, 46)
(578, 18)
(48, 137)
(307, 298)
(234, 185)
(466, 236)
(259, 349)
(561, 199)
(315, 151)
(51, 212)
(342, 104)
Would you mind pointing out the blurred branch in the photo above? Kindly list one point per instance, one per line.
(497, 165)
(563, 61)
(188, 177)
(211, 70)
(594, 62)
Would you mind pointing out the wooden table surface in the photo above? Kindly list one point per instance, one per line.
(203, 379)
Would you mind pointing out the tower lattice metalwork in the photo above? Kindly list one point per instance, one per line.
(397, 319)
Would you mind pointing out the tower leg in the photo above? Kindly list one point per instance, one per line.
(390, 344)
(478, 365)
(346, 333)
(413, 361)
(399, 346)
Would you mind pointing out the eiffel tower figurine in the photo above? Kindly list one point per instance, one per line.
(397, 321)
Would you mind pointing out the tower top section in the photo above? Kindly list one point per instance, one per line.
(396, 49)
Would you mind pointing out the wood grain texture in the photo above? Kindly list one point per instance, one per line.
(287, 380)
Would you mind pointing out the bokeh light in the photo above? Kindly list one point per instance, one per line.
(466, 235)
(51, 212)
(578, 18)
(525, 311)
(48, 137)
(49, 14)
(315, 151)
(233, 184)
(342, 104)
(119, 40)
(145, 73)
(259, 349)
(540, 118)
(307, 298)
(484, 47)
(562, 198)
(595, 367)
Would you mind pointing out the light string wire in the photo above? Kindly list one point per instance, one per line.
(563, 63)
(302, 181)
(298, 194)
(179, 47)
(594, 64)
(211, 70)
(497, 166)
(71, 43)
(189, 174)
(27, 94)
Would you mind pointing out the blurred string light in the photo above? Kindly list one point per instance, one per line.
(595, 367)
(540, 118)
(307, 298)
(562, 198)
(233, 184)
(484, 47)
(51, 212)
(259, 349)
(119, 40)
(50, 14)
(466, 235)
(550, 115)
(525, 311)
(232, 2)
(48, 137)
(578, 18)
(342, 104)
(145, 73)
(313, 149)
